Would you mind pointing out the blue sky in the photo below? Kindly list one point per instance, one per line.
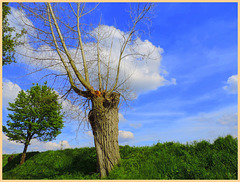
(199, 43)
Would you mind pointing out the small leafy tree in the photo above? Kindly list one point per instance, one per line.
(9, 42)
(36, 114)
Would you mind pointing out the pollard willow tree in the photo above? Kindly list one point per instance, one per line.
(60, 38)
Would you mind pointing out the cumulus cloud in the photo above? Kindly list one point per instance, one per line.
(232, 84)
(143, 73)
(142, 69)
(9, 92)
(19, 20)
(125, 136)
(35, 145)
(43, 146)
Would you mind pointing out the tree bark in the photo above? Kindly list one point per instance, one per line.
(24, 154)
(104, 122)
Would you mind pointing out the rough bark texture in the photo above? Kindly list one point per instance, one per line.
(24, 154)
(104, 121)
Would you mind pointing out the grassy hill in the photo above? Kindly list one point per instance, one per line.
(198, 160)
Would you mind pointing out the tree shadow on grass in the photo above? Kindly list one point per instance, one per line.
(66, 164)
(84, 163)
(16, 161)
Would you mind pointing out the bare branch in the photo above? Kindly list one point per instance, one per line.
(60, 55)
(98, 56)
(83, 14)
(73, 9)
(108, 67)
(81, 45)
(140, 16)
(91, 56)
(79, 76)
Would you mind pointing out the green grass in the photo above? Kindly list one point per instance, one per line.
(198, 160)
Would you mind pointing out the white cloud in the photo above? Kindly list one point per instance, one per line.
(9, 92)
(5, 139)
(9, 147)
(35, 145)
(18, 19)
(146, 74)
(125, 136)
(121, 117)
(43, 146)
(232, 84)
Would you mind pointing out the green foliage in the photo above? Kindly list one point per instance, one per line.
(199, 160)
(9, 42)
(16, 160)
(36, 113)
(61, 164)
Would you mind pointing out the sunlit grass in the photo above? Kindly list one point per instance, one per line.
(198, 160)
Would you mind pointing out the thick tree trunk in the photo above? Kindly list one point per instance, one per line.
(104, 121)
(24, 154)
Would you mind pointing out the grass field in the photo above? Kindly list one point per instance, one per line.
(198, 160)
